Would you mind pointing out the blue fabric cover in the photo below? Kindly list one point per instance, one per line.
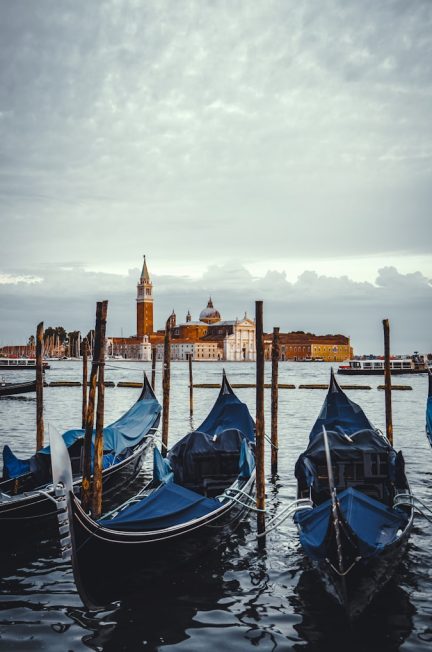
(162, 471)
(216, 452)
(124, 433)
(228, 413)
(247, 461)
(374, 524)
(169, 505)
(14, 467)
(339, 413)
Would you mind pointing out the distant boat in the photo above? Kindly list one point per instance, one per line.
(429, 410)
(20, 364)
(356, 525)
(9, 389)
(375, 367)
(197, 497)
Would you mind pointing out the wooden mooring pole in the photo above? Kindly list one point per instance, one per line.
(190, 385)
(387, 382)
(259, 449)
(96, 503)
(153, 373)
(88, 435)
(166, 378)
(39, 387)
(274, 401)
(84, 381)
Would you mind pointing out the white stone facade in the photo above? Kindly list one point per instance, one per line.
(240, 345)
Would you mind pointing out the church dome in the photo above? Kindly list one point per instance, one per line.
(210, 315)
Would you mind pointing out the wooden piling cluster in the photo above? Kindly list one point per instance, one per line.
(387, 381)
(87, 499)
(274, 401)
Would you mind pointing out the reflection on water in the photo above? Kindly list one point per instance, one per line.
(244, 596)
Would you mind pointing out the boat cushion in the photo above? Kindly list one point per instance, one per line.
(169, 505)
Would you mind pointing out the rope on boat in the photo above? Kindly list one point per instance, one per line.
(270, 442)
(342, 574)
(231, 494)
(278, 519)
(409, 500)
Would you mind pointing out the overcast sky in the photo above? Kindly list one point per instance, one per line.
(278, 150)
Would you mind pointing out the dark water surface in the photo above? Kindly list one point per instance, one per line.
(241, 597)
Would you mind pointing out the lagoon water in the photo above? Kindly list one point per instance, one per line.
(241, 597)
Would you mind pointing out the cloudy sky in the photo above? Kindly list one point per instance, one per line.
(275, 149)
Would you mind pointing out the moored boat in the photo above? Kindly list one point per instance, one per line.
(10, 389)
(358, 520)
(375, 367)
(20, 364)
(26, 490)
(196, 498)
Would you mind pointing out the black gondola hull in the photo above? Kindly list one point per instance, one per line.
(109, 564)
(10, 389)
(355, 591)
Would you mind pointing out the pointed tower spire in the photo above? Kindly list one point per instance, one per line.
(145, 276)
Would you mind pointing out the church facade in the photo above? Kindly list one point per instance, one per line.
(212, 338)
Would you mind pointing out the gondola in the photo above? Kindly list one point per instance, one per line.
(429, 410)
(357, 518)
(10, 389)
(26, 491)
(195, 499)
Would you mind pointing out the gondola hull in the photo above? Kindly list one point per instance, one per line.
(35, 510)
(109, 564)
(355, 591)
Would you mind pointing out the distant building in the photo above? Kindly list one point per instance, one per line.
(212, 338)
(308, 346)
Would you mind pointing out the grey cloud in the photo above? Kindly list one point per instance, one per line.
(260, 129)
(313, 302)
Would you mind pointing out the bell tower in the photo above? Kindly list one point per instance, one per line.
(144, 303)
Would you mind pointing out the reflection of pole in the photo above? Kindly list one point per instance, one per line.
(259, 449)
(190, 385)
(96, 507)
(166, 387)
(39, 387)
(387, 382)
(274, 401)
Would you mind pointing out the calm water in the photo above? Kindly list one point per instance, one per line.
(242, 597)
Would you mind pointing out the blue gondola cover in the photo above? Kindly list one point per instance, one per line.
(375, 525)
(169, 505)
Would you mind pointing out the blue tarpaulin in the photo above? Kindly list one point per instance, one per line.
(340, 414)
(228, 413)
(169, 505)
(375, 525)
(126, 432)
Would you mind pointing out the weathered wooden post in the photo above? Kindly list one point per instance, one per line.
(96, 503)
(153, 373)
(259, 449)
(84, 381)
(166, 378)
(190, 385)
(274, 401)
(39, 387)
(85, 485)
(387, 382)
